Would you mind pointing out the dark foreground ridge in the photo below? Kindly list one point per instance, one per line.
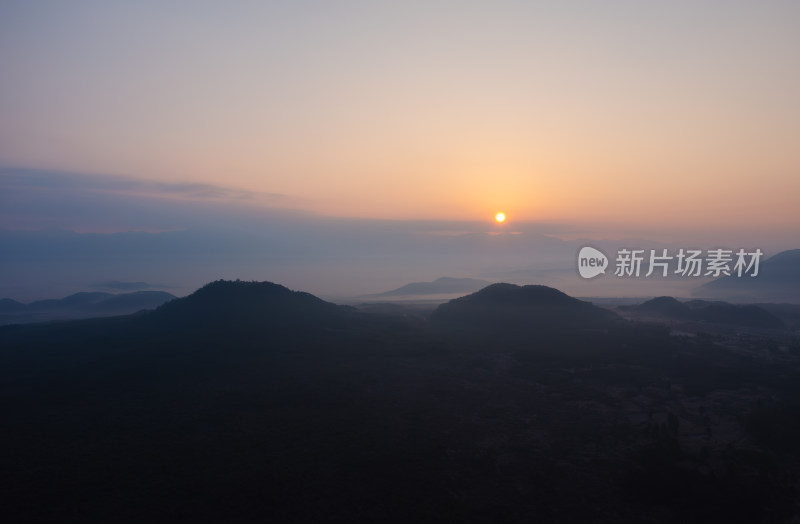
(249, 402)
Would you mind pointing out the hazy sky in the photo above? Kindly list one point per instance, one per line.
(380, 138)
(620, 111)
(67, 232)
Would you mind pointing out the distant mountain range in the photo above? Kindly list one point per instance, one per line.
(778, 280)
(80, 305)
(440, 286)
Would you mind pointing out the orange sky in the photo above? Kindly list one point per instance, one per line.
(620, 113)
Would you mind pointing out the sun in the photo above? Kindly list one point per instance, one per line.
(500, 217)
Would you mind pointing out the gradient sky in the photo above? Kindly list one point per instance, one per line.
(343, 147)
(619, 111)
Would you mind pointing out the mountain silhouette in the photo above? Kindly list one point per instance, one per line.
(663, 306)
(778, 280)
(80, 305)
(244, 401)
(8, 305)
(440, 286)
(708, 311)
(79, 300)
(511, 306)
(228, 305)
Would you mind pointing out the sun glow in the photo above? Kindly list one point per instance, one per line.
(500, 217)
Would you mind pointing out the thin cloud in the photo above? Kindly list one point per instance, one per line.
(19, 179)
(36, 199)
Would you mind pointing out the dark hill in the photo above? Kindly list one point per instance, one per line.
(741, 315)
(706, 311)
(228, 305)
(512, 306)
(664, 306)
(778, 280)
